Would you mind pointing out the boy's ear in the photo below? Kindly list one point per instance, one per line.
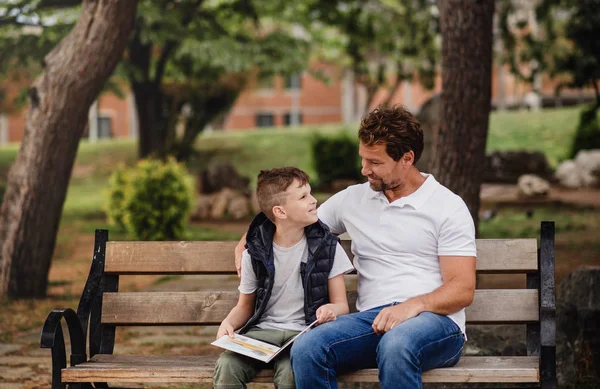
(279, 212)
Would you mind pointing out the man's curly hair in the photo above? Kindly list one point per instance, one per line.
(396, 128)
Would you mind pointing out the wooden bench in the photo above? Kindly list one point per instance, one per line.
(102, 309)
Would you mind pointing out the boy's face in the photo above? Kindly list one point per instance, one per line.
(300, 207)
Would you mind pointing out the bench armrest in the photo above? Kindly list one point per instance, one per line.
(52, 338)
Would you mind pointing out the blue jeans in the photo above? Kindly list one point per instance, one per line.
(424, 342)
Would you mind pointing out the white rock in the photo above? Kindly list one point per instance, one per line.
(531, 185)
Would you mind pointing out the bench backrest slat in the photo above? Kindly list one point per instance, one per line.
(493, 256)
(490, 306)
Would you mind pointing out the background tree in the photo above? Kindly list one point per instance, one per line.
(74, 73)
(383, 42)
(559, 41)
(200, 55)
(459, 146)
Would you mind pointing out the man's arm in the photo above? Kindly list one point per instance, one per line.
(239, 249)
(456, 293)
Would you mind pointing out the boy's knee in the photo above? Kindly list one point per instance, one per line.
(230, 372)
(284, 377)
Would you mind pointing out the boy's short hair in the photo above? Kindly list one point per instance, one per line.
(272, 184)
(395, 127)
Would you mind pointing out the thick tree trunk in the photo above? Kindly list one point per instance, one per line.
(75, 72)
(459, 147)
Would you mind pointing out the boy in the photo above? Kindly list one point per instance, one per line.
(292, 274)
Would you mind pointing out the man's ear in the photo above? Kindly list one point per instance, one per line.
(279, 212)
(408, 158)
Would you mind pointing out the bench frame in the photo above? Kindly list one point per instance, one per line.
(540, 336)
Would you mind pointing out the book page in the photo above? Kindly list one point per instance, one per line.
(247, 346)
(255, 348)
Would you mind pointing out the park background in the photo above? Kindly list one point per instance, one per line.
(227, 88)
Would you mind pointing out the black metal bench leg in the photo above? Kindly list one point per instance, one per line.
(547, 308)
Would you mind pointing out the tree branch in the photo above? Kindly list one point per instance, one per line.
(162, 61)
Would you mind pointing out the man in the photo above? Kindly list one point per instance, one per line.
(414, 247)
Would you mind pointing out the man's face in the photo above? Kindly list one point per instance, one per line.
(300, 207)
(382, 171)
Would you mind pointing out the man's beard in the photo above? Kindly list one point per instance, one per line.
(381, 186)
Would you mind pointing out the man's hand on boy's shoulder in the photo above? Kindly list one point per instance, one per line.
(326, 313)
(239, 249)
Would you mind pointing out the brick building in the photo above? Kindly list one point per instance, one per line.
(285, 101)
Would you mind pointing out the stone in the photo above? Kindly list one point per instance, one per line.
(254, 203)
(578, 326)
(203, 207)
(429, 118)
(588, 164)
(219, 175)
(220, 203)
(530, 185)
(507, 166)
(495, 340)
(567, 175)
(238, 207)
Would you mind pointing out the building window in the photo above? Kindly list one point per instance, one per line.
(293, 82)
(104, 127)
(266, 83)
(287, 119)
(265, 120)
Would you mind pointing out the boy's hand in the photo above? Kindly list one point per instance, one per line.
(325, 313)
(225, 329)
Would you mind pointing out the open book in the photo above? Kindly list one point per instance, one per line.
(255, 348)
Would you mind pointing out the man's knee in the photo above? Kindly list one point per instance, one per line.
(397, 346)
(307, 347)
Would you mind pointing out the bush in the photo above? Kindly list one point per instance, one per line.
(587, 135)
(335, 158)
(151, 201)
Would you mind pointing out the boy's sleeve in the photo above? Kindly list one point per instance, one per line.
(248, 280)
(341, 263)
(329, 212)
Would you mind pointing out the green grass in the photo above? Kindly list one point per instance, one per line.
(513, 223)
(550, 131)
(250, 151)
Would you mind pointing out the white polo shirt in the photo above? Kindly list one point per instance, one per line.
(396, 246)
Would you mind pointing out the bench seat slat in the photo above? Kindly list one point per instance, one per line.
(494, 256)
(152, 308)
(178, 369)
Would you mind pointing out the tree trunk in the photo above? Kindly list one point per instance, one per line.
(459, 147)
(60, 98)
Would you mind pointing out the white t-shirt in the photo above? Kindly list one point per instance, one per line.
(397, 245)
(285, 309)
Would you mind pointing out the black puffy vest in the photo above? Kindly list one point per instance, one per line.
(315, 272)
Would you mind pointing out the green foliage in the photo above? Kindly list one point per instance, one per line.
(384, 42)
(152, 200)
(116, 198)
(561, 44)
(335, 158)
(588, 132)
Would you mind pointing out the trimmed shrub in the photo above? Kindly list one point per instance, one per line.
(335, 158)
(116, 198)
(588, 132)
(151, 201)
